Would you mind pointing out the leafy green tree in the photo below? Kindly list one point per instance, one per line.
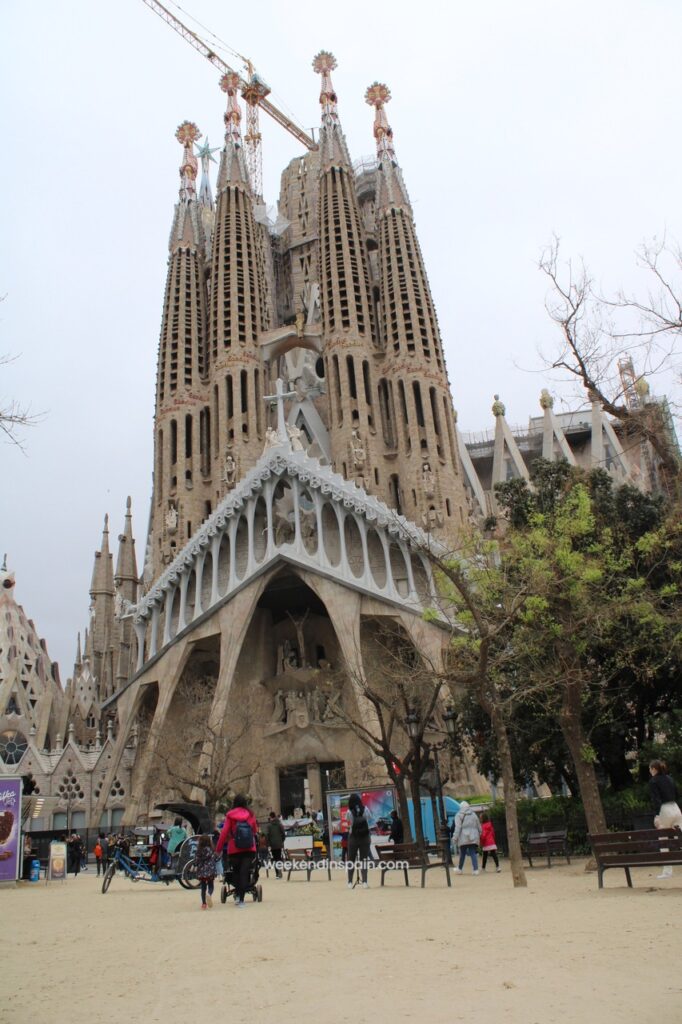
(602, 620)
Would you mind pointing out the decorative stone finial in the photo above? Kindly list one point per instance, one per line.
(187, 134)
(546, 400)
(6, 577)
(642, 387)
(498, 406)
(323, 64)
(229, 83)
(377, 96)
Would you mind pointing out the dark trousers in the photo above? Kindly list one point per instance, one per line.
(240, 863)
(277, 860)
(206, 887)
(493, 854)
(358, 849)
(100, 866)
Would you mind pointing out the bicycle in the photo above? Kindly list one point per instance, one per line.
(137, 868)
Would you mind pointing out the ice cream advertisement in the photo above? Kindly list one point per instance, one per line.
(10, 828)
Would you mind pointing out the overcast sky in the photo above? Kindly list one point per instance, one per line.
(511, 122)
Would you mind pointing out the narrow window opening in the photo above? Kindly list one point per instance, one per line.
(350, 366)
(416, 391)
(174, 442)
(188, 437)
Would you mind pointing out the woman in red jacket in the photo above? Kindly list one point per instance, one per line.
(239, 832)
(488, 844)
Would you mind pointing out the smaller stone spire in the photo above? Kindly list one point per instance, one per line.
(498, 406)
(205, 154)
(546, 400)
(187, 134)
(377, 96)
(102, 575)
(229, 83)
(126, 568)
(323, 64)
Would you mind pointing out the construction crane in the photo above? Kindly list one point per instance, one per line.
(254, 90)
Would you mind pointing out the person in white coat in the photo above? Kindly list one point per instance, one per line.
(467, 835)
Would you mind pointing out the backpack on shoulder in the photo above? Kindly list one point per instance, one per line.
(243, 836)
(360, 827)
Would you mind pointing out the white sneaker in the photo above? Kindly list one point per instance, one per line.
(349, 885)
(240, 904)
(474, 872)
(365, 885)
(458, 871)
(666, 873)
(497, 870)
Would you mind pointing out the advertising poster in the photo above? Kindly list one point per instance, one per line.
(10, 829)
(379, 803)
(57, 867)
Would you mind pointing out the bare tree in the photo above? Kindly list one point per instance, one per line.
(13, 415)
(403, 683)
(597, 333)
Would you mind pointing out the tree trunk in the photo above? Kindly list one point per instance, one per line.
(504, 754)
(572, 728)
(404, 809)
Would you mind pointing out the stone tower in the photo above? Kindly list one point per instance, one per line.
(182, 463)
(349, 338)
(415, 405)
(239, 310)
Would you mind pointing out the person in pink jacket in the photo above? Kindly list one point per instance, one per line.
(239, 832)
(488, 843)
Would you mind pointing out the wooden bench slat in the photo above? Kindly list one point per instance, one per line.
(407, 856)
(645, 848)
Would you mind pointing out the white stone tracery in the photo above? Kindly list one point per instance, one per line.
(168, 608)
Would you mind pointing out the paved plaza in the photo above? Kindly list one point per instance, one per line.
(481, 952)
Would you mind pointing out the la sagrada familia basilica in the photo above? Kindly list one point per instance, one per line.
(306, 453)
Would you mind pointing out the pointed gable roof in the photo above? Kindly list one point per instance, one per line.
(282, 462)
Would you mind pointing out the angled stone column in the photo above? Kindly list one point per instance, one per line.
(234, 619)
(168, 670)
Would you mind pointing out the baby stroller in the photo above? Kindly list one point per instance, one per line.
(254, 889)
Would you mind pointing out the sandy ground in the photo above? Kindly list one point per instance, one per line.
(559, 951)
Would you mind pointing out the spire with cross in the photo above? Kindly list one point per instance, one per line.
(278, 399)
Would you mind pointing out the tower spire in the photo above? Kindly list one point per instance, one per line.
(126, 568)
(377, 96)
(323, 65)
(391, 191)
(229, 83)
(187, 134)
(333, 146)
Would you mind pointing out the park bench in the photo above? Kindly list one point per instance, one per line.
(304, 860)
(650, 848)
(411, 856)
(546, 844)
